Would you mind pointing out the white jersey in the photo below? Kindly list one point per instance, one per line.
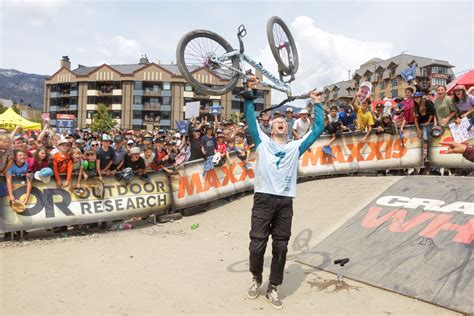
(276, 167)
(301, 127)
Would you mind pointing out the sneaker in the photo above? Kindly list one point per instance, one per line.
(272, 297)
(253, 293)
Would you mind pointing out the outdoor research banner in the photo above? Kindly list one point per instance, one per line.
(439, 158)
(49, 206)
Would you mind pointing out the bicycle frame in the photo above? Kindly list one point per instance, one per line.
(275, 82)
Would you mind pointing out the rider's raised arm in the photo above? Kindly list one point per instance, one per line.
(249, 109)
(318, 127)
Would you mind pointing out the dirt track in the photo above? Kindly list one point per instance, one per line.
(172, 269)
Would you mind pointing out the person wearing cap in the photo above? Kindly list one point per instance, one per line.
(276, 114)
(301, 125)
(274, 190)
(89, 167)
(386, 125)
(444, 108)
(120, 153)
(290, 120)
(62, 163)
(134, 161)
(464, 103)
(365, 119)
(106, 155)
(208, 142)
(408, 108)
(378, 114)
(424, 113)
(161, 156)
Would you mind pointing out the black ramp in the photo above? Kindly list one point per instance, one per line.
(416, 239)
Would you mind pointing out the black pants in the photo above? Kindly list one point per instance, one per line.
(271, 214)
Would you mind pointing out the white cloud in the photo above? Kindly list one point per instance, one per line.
(324, 58)
(113, 50)
(39, 12)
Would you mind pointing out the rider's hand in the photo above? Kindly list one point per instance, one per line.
(252, 81)
(455, 148)
(315, 96)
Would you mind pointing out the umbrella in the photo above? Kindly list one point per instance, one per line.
(467, 79)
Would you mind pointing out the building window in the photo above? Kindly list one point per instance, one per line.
(258, 106)
(381, 95)
(393, 69)
(90, 115)
(117, 84)
(138, 85)
(91, 100)
(166, 86)
(236, 105)
(394, 82)
(188, 87)
(91, 85)
(424, 72)
(73, 100)
(115, 114)
(166, 115)
(73, 86)
(137, 99)
(394, 93)
(136, 127)
(137, 115)
(382, 85)
(439, 70)
(117, 99)
(438, 81)
(166, 100)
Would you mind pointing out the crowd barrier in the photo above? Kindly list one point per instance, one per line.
(51, 207)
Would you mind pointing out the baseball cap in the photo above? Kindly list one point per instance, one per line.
(460, 87)
(241, 124)
(304, 111)
(289, 110)
(118, 138)
(44, 175)
(130, 142)
(63, 141)
(80, 141)
(135, 150)
(106, 137)
(417, 94)
(161, 131)
(129, 132)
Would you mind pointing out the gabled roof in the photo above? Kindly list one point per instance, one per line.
(125, 69)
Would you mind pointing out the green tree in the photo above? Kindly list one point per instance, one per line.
(2, 108)
(102, 120)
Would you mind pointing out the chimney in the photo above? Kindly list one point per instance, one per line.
(144, 60)
(349, 74)
(65, 62)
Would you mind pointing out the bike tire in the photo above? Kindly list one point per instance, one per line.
(282, 64)
(187, 72)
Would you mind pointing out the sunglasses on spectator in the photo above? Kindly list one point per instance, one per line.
(148, 138)
(94, 145)
(265, 120)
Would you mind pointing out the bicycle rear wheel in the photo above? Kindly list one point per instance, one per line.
(282, 45)
(194, 52)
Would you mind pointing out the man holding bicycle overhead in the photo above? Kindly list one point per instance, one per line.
(274, 190)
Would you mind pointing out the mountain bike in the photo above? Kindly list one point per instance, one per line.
(201, 49)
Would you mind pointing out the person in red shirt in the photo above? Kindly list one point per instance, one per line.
(161, 156)
(221, 146)
(62, 163)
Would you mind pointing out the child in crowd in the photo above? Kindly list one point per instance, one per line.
(221, 146)
(19, 169)
(243, 150)
(39, 160)
(89, 167)
(148, 156)
(348, 118)
(386, 125)
(365, 119)
(133, 165)
(62, 163)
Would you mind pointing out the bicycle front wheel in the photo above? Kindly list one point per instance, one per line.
(195, 51)
(282, 45)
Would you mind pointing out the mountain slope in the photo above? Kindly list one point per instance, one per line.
(16, 86)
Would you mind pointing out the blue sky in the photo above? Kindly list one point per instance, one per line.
(332, 37)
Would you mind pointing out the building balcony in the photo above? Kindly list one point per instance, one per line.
(152, 106)
(105, 93)
(152, 92)
(152, 120)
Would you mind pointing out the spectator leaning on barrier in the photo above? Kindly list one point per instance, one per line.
(445, 110)
(464, 103)
(120, 152)
(208, 141)
(6, 153)
(348, 118)
(408, 106)
(39, 160)
(301, 125)
(378, 115)
(386, 125)
(19, 169)
(90, 167)
(365, 119)
(424, 112)
(148, 156)
(106, 155)
(195, 144)
(135, 162)
(62, 163)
